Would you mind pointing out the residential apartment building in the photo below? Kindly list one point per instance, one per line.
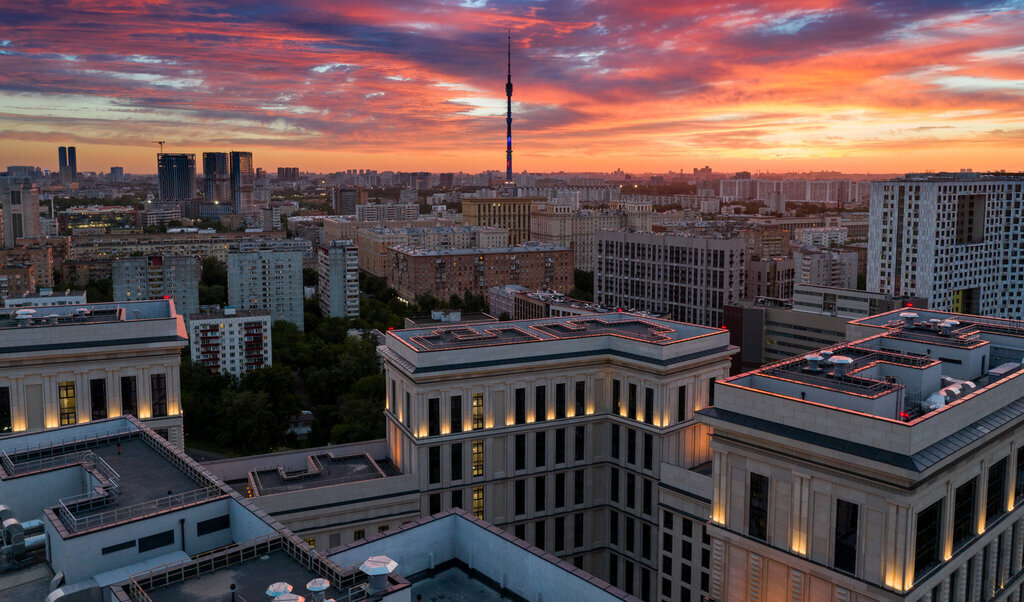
(884, 468)
(110, 359)
(521, 303)
(19, 205)
(47, 297)
(562, 225)
(374, 243)
(344, 227)
(269, 281)
(510, 213)
(231, 341)
(337, 287)
(690, 278)
(205, 243)
(138, 278)
(770, 277)
(848, 303)
(825, 267)
(345, 200)
(833, 236)
(40, 258)
(956, 239)
(379, 212)
(16, 280)
(444, 272)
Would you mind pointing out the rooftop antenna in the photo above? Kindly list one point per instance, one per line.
(161, 143)
(508, 116)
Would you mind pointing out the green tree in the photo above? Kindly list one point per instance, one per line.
(213, 285)
(99, 291)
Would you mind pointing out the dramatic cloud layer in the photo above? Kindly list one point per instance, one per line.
(327, 85)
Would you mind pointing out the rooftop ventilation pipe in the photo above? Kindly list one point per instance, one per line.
(813, 362)
(378, 568)
(842, 365)
(909, 318)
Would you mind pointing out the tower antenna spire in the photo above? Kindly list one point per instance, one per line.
(508, 116)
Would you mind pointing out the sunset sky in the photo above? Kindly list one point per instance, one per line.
(328, 85)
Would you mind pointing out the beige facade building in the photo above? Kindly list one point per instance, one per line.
(510, 213)
(346, 227)
(561, 224)
(444, 272)
(204, 244)
(71, 364)
(886, 468)
(374, 243)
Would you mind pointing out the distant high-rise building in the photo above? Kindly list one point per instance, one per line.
(140, 278)
(19, 202)
(216, 178)
(243, 182)
(267, 280)
(953, 238)
(68, 164)
(116, 175)
(227, 340)
(176, 175)
(338, 285)
(345, 200)
(447, 180)
(287, 174)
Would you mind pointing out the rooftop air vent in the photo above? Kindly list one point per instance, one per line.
(813, 363)
(909, 318)
(842, 365)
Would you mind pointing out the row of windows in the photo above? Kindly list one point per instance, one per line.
(540, 492)
(540, 440)
(457, 461)
(477, 493)
(68, 401)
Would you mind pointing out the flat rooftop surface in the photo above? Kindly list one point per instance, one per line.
(624, 325)
(454, 585)
(250, 578)
(63, 315)
(145, 474)
(332, 471)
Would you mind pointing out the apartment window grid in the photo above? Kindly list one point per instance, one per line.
(478, 502)
(478, 411)
(478, 458)
(68, 407)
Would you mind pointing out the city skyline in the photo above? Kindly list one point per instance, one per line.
(790, 86)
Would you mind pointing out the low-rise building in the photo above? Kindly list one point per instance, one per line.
(445, 272)
(70, 364)
(825, 267)
(563, 225)
(374, 243)
(848, 303)
(376, 212)
(833, 236)
(338, 279)
(231, 341)
(181, 241)
(47, 297)
(520, 303)
(769, 277)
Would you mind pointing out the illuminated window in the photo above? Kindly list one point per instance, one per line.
(6, 424)
(478, 501)
(310, 541)
(68, 412)
(478, 411)
(478, 458)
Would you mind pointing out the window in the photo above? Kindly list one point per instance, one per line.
(158, 394)
(560, 534)
(683, 415)
(6, 420)
(578, 487)
(577, 530)
(560, 490)
(407, 417)
(433, 416)
(757, 512)
(520, 497)
(616, 396)
(310, 541)
(1019, 490)
(649, 405)
(647, 497)
(68, 409)
(615, 441)
(98, 398)
(539, 494)
(632, 401)
(995, 497)
(929, 531)
(382, 528)
(478, 411)
(560, 400)
(666, 521)
(456, 413)
(158, 540)
(540, 448)
(538, 534)
(581, 443)
(645, 541)
(560, 446)
(845, 549)
(129, 396)
(581, 398)
(630, 534)
(613, 529)
(520, 443)
(541, 401)
(520, 406)
(478, 502)
(456, 457)
(478, 457)
(648, 452)
(435, 503)
(434, 457)
(964, 525)
(630, 446)
(711, 392)
(457, 498)
(615, 485)
(630, 490)
(520, 532)
(391, 401)
(613, 570)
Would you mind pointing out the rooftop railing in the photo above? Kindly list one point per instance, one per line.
(77, 517)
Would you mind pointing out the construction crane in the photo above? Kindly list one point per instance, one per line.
(161, 143)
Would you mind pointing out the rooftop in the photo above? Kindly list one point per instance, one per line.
(526, 247)
(321, 469)
(85, 313)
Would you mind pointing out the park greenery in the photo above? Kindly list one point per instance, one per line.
(330, 367)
